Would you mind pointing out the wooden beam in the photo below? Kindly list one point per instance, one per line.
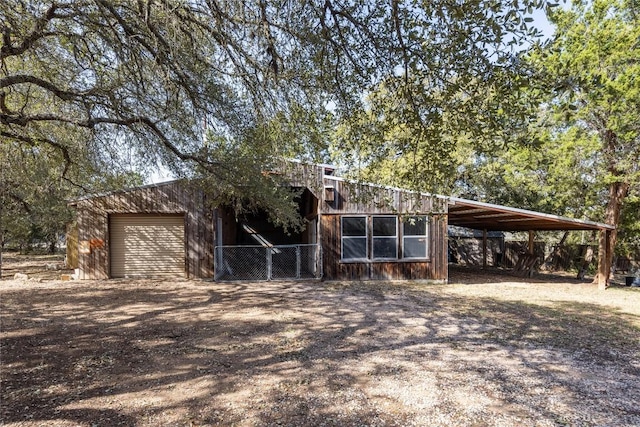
(532, 235)
(604, 269)
(484, 248)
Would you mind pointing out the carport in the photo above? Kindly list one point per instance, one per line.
(490, 217)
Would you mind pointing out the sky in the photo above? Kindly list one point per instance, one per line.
(541, 22)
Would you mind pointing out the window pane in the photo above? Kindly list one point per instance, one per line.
(384, 225)
(415, 247)
(354, 226)
(415, 226)
(354, 247)
(385, 247)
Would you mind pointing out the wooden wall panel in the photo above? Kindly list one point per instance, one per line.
(168, 198)
(334, 269)
(350, 198)
(355, 198)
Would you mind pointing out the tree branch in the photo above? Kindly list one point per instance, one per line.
(17, 79)
(20, 200)
(8, 49)
(35, 141)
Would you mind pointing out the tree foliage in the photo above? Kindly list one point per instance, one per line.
(593, 64)
(558, 174)
(142, 79)
(35, 189)
(582, 159)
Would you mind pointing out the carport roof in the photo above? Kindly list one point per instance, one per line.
(487, 216)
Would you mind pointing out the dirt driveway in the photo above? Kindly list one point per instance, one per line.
(190, 353)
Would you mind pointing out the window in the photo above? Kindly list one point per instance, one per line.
(376, 237)
(385, 237)
(354, 237)
(414, 241)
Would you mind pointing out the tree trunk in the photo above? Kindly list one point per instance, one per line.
(588, 257)
(617, 193)
(551, 263)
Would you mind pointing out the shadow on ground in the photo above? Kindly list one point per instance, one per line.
(197, 353)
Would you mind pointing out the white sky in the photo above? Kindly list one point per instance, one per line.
(541, 22)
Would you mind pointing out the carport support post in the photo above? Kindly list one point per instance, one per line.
(484, 248)
(604, 268)
(531, 238)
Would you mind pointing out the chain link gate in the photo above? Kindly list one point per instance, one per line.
(278, 262)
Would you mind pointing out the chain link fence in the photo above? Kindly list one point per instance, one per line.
(268, 263)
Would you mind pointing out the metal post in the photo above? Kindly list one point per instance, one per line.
(297, 261)
(268, 263)
(218, 262)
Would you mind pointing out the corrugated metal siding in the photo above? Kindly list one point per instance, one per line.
(147, 245)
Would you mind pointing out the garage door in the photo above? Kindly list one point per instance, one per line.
(147, 245)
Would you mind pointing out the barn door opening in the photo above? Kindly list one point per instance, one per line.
(250, 247)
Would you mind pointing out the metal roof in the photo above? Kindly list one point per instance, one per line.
(461, 212)
(75, 201)
(487, 216)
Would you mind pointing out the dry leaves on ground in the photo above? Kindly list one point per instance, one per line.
(197, 353)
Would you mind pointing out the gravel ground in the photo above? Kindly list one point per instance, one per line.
(487, 351)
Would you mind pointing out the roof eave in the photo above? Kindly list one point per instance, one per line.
(551, 222)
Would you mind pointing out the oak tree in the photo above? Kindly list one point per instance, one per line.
(143, 81)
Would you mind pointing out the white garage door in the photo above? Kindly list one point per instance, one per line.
(147, 245)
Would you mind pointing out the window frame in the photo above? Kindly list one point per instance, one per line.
(400, 238)
(343, 238)
(395, 237)
(415, 237)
